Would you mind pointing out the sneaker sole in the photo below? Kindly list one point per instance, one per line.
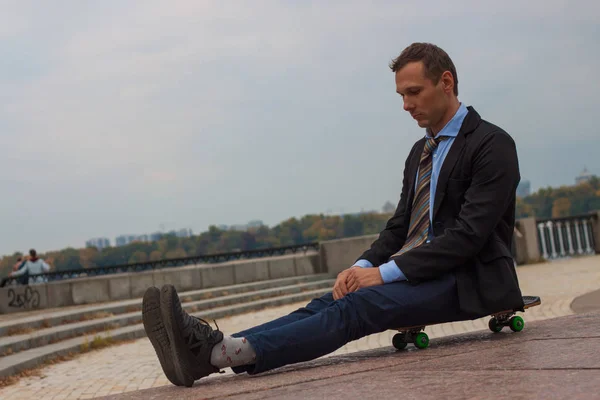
(155, 330)
(181, 362)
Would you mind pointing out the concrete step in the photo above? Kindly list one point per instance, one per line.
(50, 319)
(31, 358)
(14, 344)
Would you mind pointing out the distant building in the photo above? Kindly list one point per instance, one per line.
(524, 188)
(125, 240)
(156, 236)
(99, 243)
(184, 233)
(254, 224)
(583, 177)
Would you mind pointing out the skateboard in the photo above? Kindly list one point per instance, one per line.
(414, 334)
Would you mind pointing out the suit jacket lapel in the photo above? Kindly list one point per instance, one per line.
(471, 121)
(447, 167)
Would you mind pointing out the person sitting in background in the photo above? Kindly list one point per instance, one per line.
(32, 267)
(20, 263)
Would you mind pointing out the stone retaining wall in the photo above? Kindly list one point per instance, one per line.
(18, 298)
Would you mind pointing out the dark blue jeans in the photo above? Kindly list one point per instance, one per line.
(325, 324)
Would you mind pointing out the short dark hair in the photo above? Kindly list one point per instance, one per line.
(435, 61)
(32, 253)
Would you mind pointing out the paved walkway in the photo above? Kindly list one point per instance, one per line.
(133, 366)
(551, 359)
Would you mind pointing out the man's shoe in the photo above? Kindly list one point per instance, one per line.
(156, 332)
(192, 339)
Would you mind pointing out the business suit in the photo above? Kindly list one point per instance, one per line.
(472, 222)
(464, 272)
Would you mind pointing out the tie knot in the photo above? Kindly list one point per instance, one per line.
(432, 143)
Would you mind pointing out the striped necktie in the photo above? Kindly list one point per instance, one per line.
(419, 221)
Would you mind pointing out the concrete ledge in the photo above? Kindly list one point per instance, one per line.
(548, 359)
(244, 272)
(119, 288)
(219, 275)
(183, 278)
(19, 298)
(140, 281)
(90, 290)
(526, 241)
(68, 314)
(307, 265)
(59, 294)
(337, 255)
(282, 267)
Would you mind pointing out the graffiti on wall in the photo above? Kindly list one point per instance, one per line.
(29, 299)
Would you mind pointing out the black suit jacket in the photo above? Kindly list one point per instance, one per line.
(473, 220)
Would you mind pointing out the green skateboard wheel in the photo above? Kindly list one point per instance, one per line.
(517, 324)
(422, 340)
(494, 325)
(398, 342)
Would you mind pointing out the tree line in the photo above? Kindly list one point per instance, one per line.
(309, 228)
(562, 201)
(546, 203)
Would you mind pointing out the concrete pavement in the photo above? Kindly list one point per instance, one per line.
(130, 367)
(551, 359)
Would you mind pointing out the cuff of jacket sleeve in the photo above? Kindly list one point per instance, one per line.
(390, 272)
(363, 263)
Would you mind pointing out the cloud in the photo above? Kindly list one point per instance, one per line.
(123, 113)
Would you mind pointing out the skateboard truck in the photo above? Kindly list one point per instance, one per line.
(499, 320)
(413, 335)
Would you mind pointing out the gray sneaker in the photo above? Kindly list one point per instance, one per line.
(156, 332)
(192, 339)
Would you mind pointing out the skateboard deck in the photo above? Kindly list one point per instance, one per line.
(500, 319)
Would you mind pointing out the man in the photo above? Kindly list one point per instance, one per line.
(32, 267)
(443, 256)
(21, 261)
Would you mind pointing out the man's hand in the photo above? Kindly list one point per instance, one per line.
(359, 278)
(340, 288)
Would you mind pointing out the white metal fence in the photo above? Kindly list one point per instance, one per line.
(566, 237)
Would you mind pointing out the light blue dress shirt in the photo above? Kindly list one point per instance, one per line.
(390, 272)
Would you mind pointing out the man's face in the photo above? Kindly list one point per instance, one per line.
(425, 101)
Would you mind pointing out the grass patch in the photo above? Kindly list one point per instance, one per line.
(98, 342)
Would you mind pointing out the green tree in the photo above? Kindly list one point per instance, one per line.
(138, 256)
(353, 226)
(561, 207)
(545, 203)
(177, 253)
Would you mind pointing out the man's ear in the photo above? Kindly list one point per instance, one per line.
(447, 81)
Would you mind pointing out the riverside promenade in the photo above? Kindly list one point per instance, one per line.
(551, 358)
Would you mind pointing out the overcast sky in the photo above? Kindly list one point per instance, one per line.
(122, 117)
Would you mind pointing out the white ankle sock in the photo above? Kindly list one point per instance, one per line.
(232, 352)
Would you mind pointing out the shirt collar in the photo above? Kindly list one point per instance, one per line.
(453, 126)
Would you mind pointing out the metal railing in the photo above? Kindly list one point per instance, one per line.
(167, 263)
(567, 236)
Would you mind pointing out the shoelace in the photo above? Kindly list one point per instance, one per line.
(198, 331)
